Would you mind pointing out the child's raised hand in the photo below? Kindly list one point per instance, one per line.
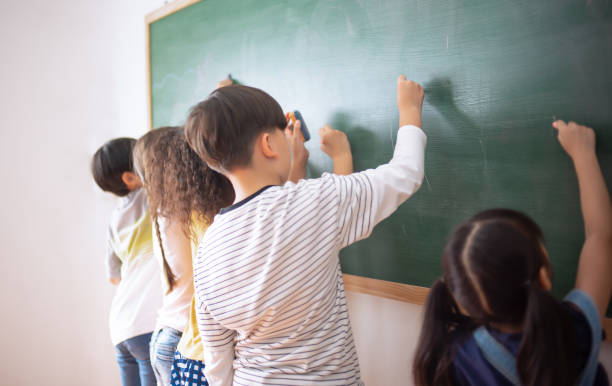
(299, 153)
(336, 145)
(409, 101)
(225, 82)
(334, 142)
(576, 140)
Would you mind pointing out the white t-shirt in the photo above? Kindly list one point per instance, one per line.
(270, 298)
(174, 311)
(138, 295)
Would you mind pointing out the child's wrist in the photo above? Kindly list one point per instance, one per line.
(584, 157)
(410, 116)
(343, 163)
(342, 156)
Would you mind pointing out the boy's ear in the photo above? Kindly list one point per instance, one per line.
(266, 144)
(131, 180)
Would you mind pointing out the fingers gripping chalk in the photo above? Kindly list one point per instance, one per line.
(292, 118)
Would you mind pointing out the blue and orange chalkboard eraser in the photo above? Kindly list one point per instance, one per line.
(294, 116)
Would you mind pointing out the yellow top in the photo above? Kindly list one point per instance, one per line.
(190, 345)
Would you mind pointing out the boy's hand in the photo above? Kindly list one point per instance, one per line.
(115, 280)
(575, 139)
(335, 144)
(299, 153)
(409, 101)
(225, 82)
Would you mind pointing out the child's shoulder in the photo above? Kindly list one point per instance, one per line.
(131, 210)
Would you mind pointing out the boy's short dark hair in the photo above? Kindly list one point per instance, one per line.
(222, 128)
(110, 162)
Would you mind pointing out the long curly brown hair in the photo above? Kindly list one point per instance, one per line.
(179, 185)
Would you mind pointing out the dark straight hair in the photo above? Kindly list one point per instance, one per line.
(491, 268)
(222, 128)
(109, 163)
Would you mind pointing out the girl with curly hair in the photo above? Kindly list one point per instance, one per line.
(184, 195)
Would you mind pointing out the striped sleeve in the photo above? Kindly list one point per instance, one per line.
(368, 197)
(218, 343)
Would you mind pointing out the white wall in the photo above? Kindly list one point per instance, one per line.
(72, 76)
(386, 333)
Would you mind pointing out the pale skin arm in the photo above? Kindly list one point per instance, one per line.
(410, 96)
(595, 265)
(299, 153)
(334, 142)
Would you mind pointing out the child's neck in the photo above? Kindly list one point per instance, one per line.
(507, 328)
(248, 181)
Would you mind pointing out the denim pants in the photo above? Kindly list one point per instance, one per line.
(163, 346)
(134, 363)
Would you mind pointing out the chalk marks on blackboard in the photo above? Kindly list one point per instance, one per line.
(483, 149)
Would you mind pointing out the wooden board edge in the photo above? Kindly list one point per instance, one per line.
(168, 9)
(409, 293)
(386, 289)
(148, 76)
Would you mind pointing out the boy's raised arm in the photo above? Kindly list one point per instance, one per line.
(368, 197)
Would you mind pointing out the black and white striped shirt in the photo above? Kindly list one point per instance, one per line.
(270, 296)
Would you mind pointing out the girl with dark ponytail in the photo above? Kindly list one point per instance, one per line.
(491, 320)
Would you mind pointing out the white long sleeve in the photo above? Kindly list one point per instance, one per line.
(271, 307)
(218, 366)
(218, 343)
(366, 198)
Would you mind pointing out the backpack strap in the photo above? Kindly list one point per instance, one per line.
(505, 363)
(585, 304)
(497, 355)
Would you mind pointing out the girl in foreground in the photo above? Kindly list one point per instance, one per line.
(491, 320)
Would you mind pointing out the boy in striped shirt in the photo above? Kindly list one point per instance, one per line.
(270, 299)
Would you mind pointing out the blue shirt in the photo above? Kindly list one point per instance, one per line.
(471, 368)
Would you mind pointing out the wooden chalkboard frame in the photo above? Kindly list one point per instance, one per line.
(382, 288)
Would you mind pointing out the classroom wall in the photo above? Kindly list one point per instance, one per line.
(386, 333)
(72, 77)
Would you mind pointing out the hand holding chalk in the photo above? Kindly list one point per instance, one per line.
(576, 140)
(409, 101)
(225, 82)
(296, 116)
(299, 153)
(335, 144)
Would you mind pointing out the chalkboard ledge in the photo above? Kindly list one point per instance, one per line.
(408, 293)
(386, 289)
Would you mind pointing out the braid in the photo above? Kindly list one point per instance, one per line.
(169, 275)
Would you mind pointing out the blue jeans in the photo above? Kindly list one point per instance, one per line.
(134, 363)
(163, 345)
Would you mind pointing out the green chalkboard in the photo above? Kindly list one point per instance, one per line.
(495, 74)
